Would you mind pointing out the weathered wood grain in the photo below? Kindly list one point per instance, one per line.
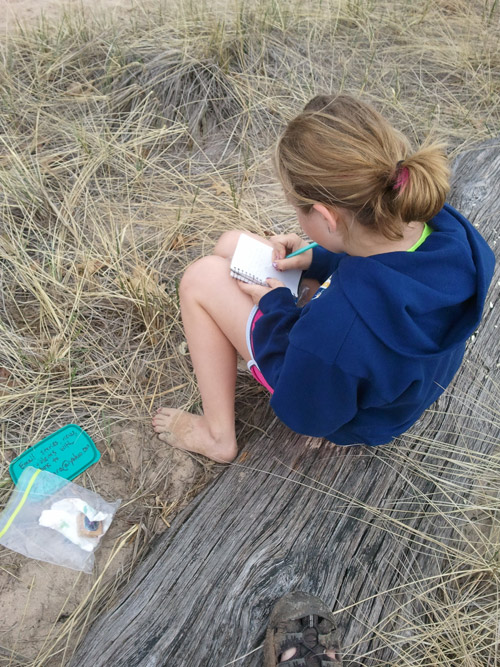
(349, 524)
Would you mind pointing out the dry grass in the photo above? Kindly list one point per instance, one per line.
(127, 147)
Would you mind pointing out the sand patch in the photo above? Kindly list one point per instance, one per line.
(154, 481)
(27, 11)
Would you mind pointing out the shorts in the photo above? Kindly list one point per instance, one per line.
(252, 364)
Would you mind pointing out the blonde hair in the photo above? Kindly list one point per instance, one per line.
(342, 153)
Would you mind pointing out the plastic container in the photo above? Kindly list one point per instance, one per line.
(67, 453)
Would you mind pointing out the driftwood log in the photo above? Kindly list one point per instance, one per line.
(348, 524)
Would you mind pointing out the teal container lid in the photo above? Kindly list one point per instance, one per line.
(67, 452)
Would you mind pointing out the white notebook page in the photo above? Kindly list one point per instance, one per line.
(252, 263)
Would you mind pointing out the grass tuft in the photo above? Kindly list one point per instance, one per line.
(126, 147)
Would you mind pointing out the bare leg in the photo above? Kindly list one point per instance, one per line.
(215, 313)
(308, 288)
(226, 244)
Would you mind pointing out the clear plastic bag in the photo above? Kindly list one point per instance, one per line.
(51, 519)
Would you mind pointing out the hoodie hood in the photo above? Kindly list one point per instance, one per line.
(423, 302)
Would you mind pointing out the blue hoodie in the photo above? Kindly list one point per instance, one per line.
(362, 361)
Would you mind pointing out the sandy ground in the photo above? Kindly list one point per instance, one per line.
(12, 11)
(151, 479)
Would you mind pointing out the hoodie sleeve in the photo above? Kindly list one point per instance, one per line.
(323, 264)
(272, 330)
(311, 395)
(280, 313)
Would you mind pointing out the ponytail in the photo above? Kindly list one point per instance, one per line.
(342, 153)
(427, 184)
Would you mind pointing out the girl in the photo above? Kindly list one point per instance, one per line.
(399, 281)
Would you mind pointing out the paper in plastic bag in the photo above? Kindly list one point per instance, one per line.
(51, 519)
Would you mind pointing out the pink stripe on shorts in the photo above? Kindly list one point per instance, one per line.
(255, 315)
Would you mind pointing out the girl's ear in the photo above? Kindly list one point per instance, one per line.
(329, 215)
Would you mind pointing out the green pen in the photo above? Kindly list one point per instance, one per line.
(301, 250)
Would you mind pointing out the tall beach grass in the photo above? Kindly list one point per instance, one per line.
(127, 146)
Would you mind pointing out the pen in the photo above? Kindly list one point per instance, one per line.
(301, 250)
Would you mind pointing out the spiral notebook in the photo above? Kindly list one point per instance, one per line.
(252, 263)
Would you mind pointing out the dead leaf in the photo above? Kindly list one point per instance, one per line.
(89, 267)
(221, 189)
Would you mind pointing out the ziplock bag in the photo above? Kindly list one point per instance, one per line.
(51, 519)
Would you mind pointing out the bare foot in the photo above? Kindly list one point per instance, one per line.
(190, 432)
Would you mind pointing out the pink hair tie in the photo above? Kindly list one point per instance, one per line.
(402, 176)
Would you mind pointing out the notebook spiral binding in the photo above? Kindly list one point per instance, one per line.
(244, 276)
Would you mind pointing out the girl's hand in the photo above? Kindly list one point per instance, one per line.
(283, 245)
(258, 291)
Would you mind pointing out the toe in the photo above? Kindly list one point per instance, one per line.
(159, 424)
(165, 411)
